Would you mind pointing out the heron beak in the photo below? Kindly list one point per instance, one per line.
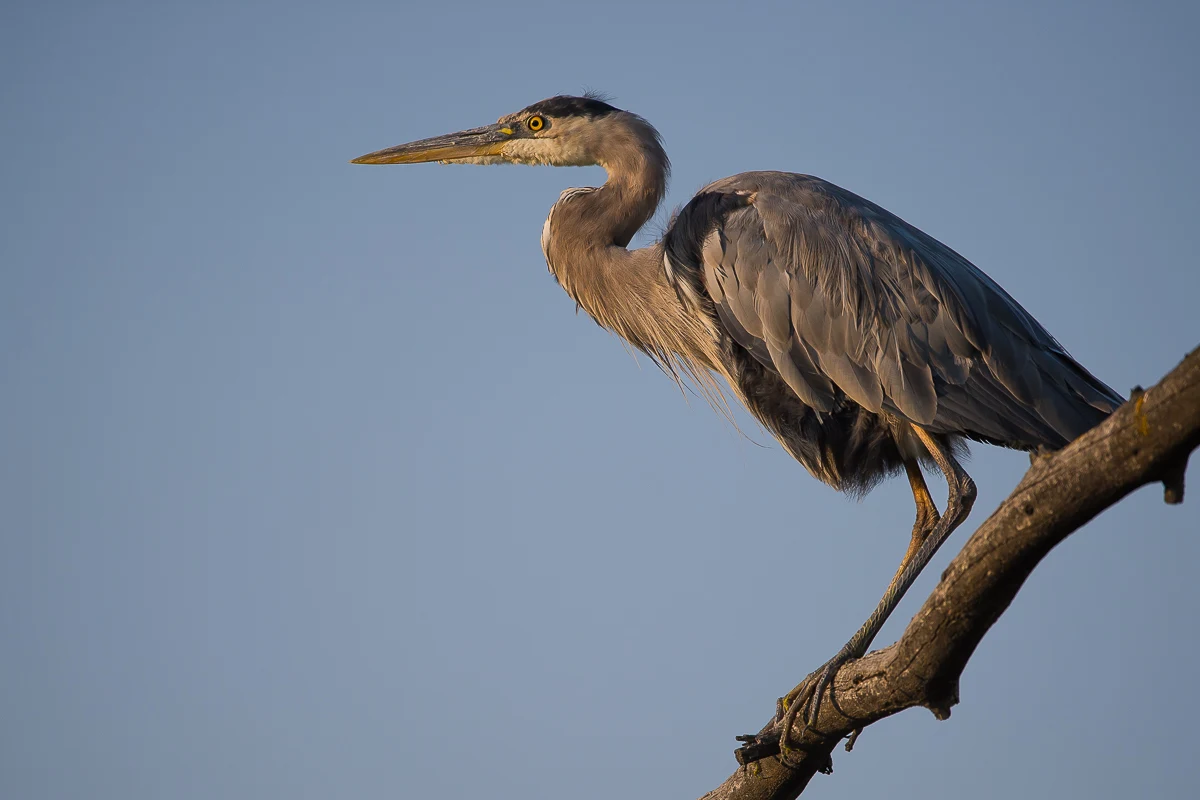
(484, 142)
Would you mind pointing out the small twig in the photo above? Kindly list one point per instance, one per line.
(1173, 481)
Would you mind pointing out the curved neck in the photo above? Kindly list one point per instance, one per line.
(636, 184)
(626, 291)
(630, 151)
(586, 234)
(637, 165)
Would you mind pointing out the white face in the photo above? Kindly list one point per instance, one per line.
(563, 142)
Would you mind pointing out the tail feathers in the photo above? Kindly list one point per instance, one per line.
(1076, 400)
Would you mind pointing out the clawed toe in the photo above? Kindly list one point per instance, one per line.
(805, 700)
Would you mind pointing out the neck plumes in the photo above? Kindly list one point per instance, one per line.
(626, 291)
(588, 229)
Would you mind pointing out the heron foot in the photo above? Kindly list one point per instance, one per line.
(805, 700)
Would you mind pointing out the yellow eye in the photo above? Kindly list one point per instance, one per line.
(536, 123)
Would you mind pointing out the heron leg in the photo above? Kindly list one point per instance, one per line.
(927, 516)
(929, 532)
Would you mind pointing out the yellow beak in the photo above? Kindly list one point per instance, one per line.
(484, 142)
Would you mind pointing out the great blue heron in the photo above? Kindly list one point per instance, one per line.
(863, 344)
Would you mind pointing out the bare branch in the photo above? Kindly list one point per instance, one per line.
(1147, 440)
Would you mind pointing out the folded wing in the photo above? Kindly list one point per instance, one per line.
(836, 294)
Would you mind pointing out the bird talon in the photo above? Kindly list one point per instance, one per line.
(805, 700)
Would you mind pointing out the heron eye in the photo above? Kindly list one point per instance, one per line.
(536, 123)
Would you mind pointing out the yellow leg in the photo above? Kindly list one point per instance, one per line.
(927, 513)
(929, 532)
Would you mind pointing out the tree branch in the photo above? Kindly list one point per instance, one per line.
(1147, 440)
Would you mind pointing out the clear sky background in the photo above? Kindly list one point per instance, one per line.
(314, 485)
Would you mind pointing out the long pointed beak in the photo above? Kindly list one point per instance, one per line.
(474, 143)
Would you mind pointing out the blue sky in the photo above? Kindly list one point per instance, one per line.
(313, 484)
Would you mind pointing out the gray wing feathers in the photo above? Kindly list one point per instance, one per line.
(834, 293)
(755, 307)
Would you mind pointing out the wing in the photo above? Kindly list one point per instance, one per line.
(841, 297)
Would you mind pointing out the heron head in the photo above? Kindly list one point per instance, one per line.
(560, 131)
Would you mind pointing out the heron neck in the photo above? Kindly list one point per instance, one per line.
(635, 186)
(587, 232)
(624, 290)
